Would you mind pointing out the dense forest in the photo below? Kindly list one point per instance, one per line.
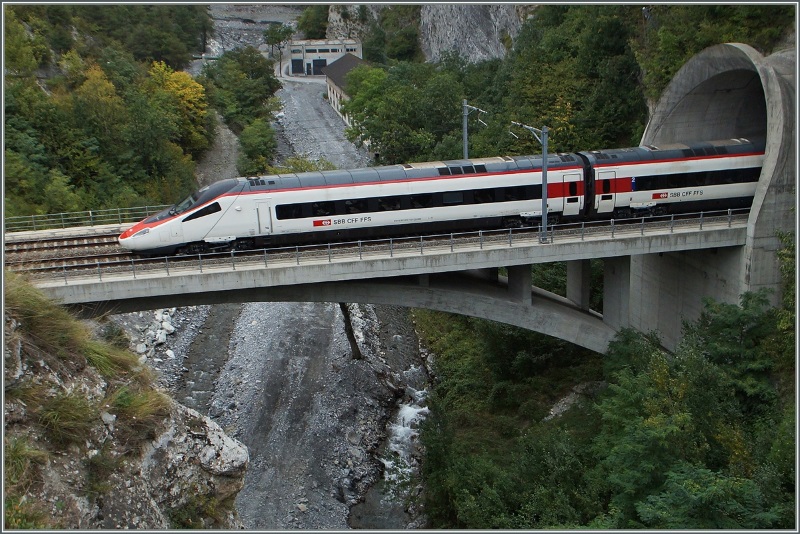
(99, 114)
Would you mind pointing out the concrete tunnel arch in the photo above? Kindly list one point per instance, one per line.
(726, 91)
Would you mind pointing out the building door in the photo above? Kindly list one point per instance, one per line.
(319, 64)
(297, 66)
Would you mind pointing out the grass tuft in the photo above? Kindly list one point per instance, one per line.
(140, 412)
(21, 462)
(48, 327)
(68, 418)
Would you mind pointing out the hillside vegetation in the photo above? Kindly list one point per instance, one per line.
(97, 112)
(585, 72)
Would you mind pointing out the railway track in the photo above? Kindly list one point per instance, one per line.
(55, 256)
(31, 252)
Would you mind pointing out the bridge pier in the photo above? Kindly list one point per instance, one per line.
(579, 281)
(617, 292)
(520, 284)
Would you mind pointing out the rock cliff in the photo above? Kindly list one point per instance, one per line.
(475, 32)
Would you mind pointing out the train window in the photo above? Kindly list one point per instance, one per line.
(208, 210)
(480, 168)
(573, 189)
(606, 186)
(511, 194)
(483, 196)
(455, 169)
(468, 169)
(421, 201)
(452, 198)
(289, 211)
(389, 203)
(444, 171)
(319, 209)
(356, 206)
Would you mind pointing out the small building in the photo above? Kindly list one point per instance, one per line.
(335, 75)
(309, 56)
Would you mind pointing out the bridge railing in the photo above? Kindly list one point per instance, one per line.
(391, 247)
(80, 218)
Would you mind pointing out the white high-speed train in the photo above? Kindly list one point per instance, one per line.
(446, 196)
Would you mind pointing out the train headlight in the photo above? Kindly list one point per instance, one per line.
(140, 233)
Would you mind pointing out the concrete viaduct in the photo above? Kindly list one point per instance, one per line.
(652, 280)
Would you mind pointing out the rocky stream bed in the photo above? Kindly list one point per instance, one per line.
(323, 422)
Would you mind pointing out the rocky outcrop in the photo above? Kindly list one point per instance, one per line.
(179, 471)
(475, 32)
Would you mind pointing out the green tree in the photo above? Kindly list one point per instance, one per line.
(697, 498)
(277, 34)
(257, 148)
(189, 101)
(20, 52)
(241, 84)
(395, 110)
(313, 21)
(669, 35)
(734, 337)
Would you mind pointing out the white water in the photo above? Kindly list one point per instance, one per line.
(400, 460)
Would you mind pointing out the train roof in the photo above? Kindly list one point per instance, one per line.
(410, 171)
(675, 151)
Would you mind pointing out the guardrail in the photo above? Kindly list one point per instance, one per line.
(398, 246)
(80, 218)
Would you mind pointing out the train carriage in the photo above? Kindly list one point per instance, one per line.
(675, 178)
(450, 196)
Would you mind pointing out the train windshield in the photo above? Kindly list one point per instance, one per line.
(204, 195)
(198, 197)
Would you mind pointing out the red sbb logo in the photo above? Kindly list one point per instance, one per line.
(322, 222)
(656, 196)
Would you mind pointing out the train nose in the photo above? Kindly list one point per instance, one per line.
(137, 230)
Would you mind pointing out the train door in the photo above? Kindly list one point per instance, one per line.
(572, 202)
(264, 217)
(604, 198)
